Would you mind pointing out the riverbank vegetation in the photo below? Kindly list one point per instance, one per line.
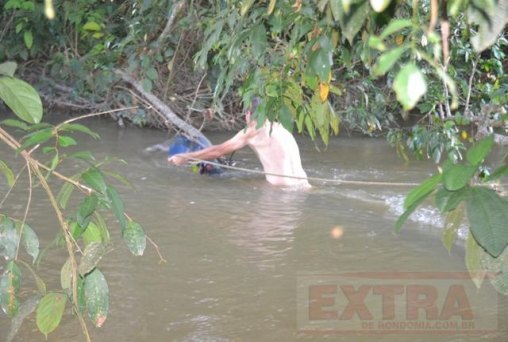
(428, 75)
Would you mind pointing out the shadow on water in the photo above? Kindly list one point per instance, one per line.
(240, 251)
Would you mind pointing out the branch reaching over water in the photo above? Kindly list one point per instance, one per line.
(170, 116)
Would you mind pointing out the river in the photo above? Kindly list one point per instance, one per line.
(250, 262)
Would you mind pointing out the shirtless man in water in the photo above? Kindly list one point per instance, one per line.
(275, 147)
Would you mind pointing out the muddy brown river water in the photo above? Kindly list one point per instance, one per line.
(250, 262)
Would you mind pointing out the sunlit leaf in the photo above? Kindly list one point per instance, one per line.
(10, 283)
(92, 26)
(488, 215)
(92, 234)
(473, 261)
(477, 153)
(271, 6)
(92, 254)
(246, 5)
(135, 238)
(379, 5)
(8, 68)
(21, 98)
(50, 311)
(409, 85)
(97, 297)
(324, 88)
(9, 175)
(28, 38)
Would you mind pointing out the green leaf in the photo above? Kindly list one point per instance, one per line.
(66, 276)
(498, 173)
(448, 200)
(410, 209)
(92, 254)
(473, 261)
(451, 226)
(64, 194)
(9, 175)
(352, 21)
(102, 228)
(30, 241)
(92, 234)
(8, 68)
(97, 297)
(72, 127)
(271, 7)
(387, 60)
(258, 39)
(423, 190)
(41, 286)
(286, 118)
(65, 141)
(117, 206)
(395, 25)
(16, 124)
(457, 176)
(50, 311)
(25, 309)
(409, 85)
(379, 5)
(28, 38)
(86, 209)
(488, 216)
(83, 155)
(93, 178)
(38, 137)
(21, 98)
(92, 26)
(477, 153)
(321, 62)
(134, 238)
(490, 26)
(10, 282)
(246, 5)
(9, 238)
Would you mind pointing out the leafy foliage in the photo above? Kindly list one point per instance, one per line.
(83, 228)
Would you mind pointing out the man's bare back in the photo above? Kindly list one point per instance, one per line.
(275, 147)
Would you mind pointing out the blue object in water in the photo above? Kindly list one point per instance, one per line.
(182, 144)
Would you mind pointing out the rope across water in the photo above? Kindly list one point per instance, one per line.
(314, 179)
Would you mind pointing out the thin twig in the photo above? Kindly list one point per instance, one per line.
(470, 86)
(161, 258)
(27, 208)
